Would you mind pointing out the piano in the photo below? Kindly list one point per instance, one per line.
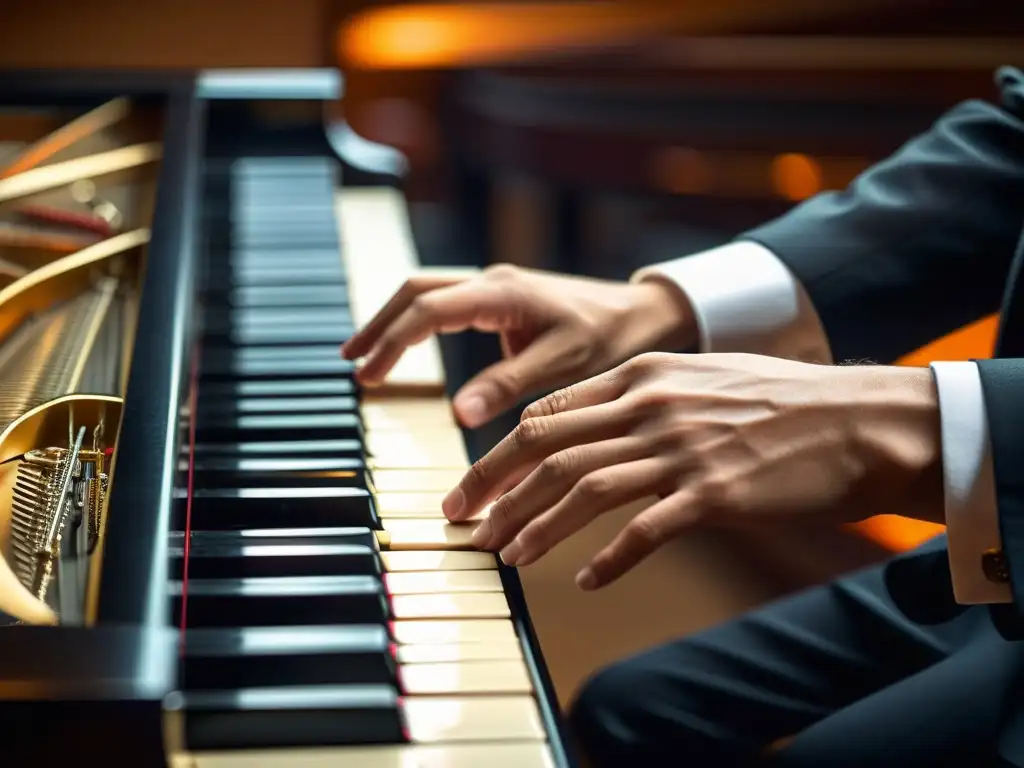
(218, 550)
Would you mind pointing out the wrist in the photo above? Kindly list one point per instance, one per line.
(897, 432)
(663, 316)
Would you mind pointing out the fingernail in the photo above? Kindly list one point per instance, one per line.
(472, 410)
(453, 504)
(586, 579)
(510, 554)
(482, 534)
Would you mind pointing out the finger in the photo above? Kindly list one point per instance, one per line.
(529, 443)
(644, 534)
(598, 492)
(602, 388)
(364, 339)
(545, 363)
(473, 304)
(552, 481)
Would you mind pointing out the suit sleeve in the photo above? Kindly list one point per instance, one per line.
(1002, 383)
(919, 244)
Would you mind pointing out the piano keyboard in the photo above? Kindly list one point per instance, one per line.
(330, 613)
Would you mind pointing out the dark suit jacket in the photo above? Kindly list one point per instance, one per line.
(919, 245)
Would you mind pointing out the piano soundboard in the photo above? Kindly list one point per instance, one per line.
(290, 580)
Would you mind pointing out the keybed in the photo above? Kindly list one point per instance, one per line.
(331, 613)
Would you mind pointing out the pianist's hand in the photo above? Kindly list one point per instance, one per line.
(554, 330)
(720, 440)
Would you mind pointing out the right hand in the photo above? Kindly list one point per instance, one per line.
(555, 330)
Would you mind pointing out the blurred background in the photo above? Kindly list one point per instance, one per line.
(594, 138)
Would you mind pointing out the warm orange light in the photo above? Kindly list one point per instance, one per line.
(437, 36)
(796, 177)
(977, 340)
(898, 534)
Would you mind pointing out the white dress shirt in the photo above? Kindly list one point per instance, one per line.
(746, 300)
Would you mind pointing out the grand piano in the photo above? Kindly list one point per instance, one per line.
(218, 551)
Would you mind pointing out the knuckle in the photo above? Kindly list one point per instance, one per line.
(423, 306)
(547, 406)
(644, 532)
(529, 433)
(501, 272)
(535, 410)
(559, 466)
(594, 486)
(389, 344)
(648, 362)
(651, 399)
(477, 474)
(500, 513)
(534, 536)
(717, 494)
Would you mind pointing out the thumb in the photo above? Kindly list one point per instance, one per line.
(546, 363)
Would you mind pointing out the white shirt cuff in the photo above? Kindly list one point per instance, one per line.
(746, 300)
(972, 520)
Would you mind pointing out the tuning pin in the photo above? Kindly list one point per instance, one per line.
(84, 191)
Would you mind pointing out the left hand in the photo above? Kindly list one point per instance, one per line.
(719, 439)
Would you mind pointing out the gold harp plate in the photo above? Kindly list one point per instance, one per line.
(60, 280)
(44, 426)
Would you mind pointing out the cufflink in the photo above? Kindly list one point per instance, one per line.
(993, 565)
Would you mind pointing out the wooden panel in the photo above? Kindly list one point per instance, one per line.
(165, 33)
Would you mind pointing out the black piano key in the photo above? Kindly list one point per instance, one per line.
(283, 258)
(354, 535)
(276, 354)
(293, 717)
(264, 316)
(262, 602)
(220, 472)
(295, 238)
(225, 366)
(279, 296)
(285, 656)
(275, 405)
(256, 169)
(240, 508)
(232, 362)
(328, 274)
(301, 557)
(279, 448)
(328, 333)
(246, 427)
(279, 388)
(268, 449)
(243, 465)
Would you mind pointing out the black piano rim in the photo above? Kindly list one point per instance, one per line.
(126, 664)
